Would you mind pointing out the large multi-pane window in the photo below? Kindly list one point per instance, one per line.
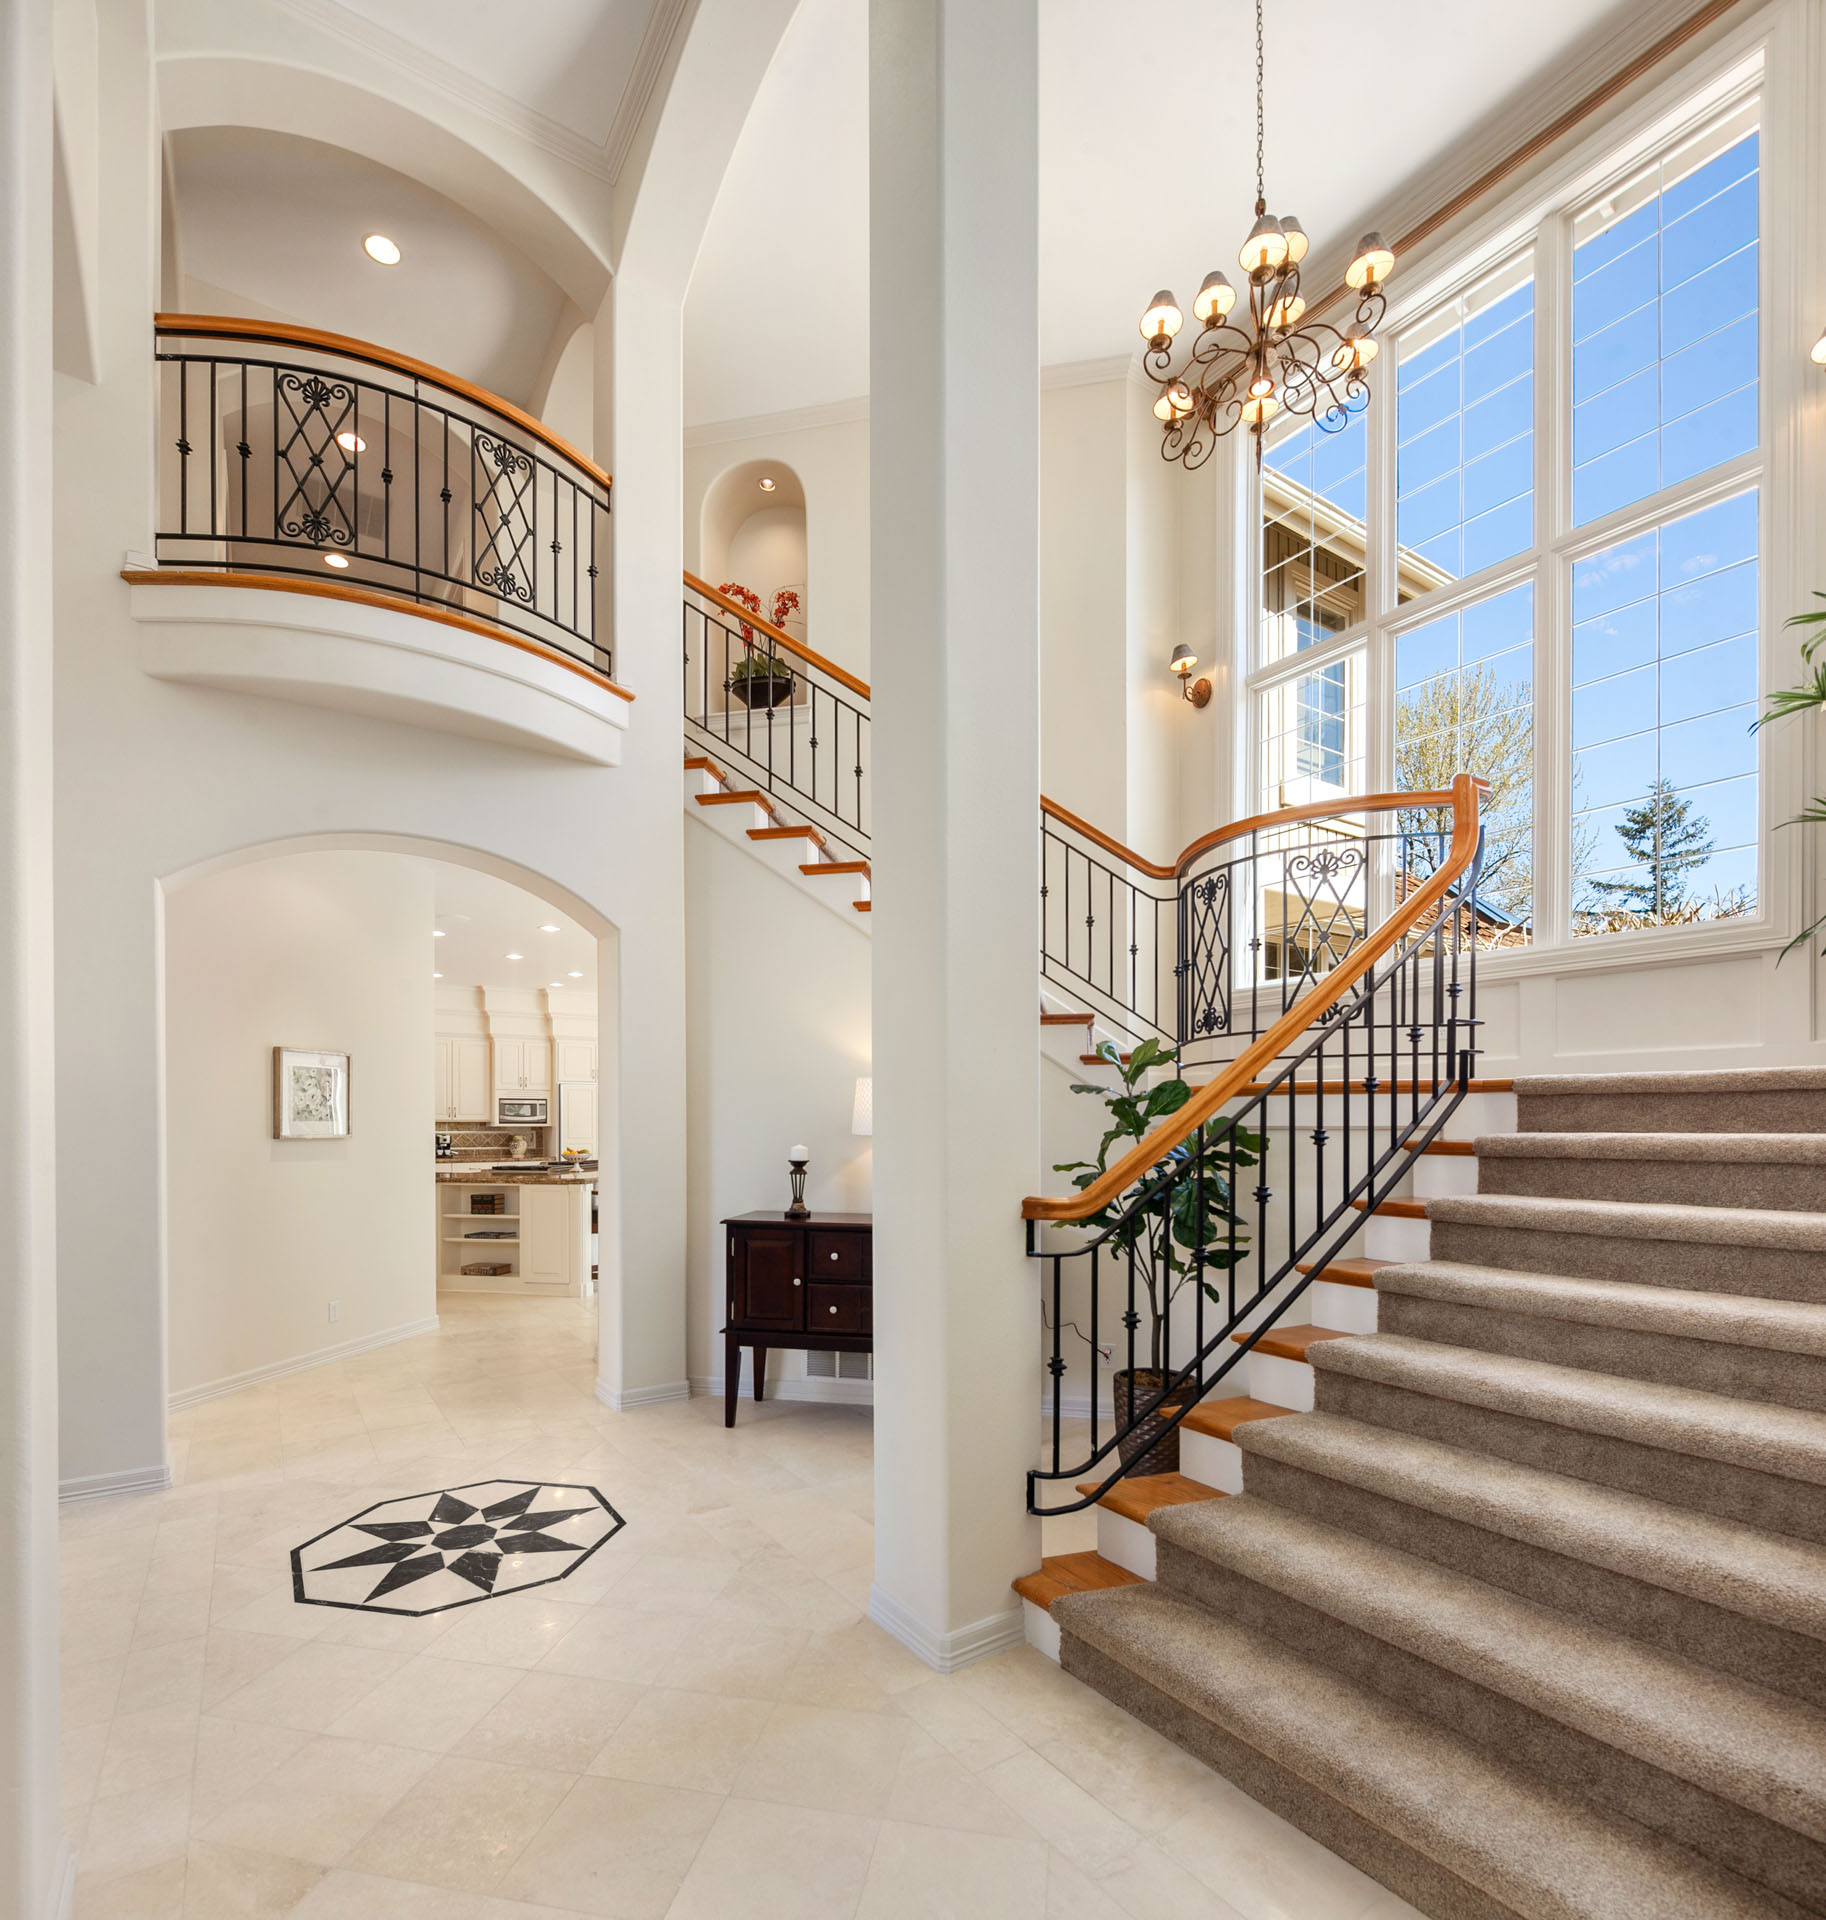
(1536, 557)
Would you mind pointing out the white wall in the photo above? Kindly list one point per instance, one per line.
(767, 553)
(320, 950)
(777, 1032)
(831, 459)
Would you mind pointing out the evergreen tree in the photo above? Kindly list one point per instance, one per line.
(1667, 839)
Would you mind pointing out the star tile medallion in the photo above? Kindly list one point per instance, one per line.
(426, 1552)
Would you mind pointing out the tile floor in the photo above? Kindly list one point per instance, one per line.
(700, 1724)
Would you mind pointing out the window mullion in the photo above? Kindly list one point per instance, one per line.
(1553, 585)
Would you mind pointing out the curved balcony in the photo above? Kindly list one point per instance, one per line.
(348, 527)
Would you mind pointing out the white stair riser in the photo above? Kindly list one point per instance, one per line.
(1282, 1383)
(1042, 1630)
(1438, 1176)
(1481, 1113)
(698, 781)
(1217, 1463)
(1388, 1237)
(1347, 1309)
(1127, 1543)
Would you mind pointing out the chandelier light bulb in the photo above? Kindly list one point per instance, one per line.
(1163, 318)
(1297, 243)
(1258, 408)
(1355, 352)
(1216, 296)
(1175, 401)
(1265, 251)
(1260, 387)
(1373, 264)
(1286, 311)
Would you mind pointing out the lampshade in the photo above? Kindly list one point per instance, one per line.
(1215, 298)
(1183, 661)
(1266, 248)
(862, 1114)
(1374, 262)
(1819, 351)
(1163, 318)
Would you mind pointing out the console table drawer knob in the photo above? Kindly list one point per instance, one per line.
(795, 1279)
(833, 1309)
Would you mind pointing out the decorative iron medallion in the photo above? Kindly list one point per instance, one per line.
(428, 1552)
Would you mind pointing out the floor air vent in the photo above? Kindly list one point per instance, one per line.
(839, 1366)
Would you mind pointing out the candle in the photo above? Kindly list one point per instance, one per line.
(798, 1153)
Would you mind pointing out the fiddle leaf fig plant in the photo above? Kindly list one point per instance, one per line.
(1805, 698)
(1199, 1210)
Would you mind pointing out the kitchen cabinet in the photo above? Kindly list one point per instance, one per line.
(537, 1230)
(576, 1059)
(523, 1066)
(803, 1284)
(462, 1081)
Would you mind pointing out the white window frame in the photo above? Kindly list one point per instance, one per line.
(1765, 60)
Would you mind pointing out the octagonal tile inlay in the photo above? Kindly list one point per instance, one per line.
(426, 1552)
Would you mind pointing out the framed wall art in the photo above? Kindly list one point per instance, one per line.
(310, 1094)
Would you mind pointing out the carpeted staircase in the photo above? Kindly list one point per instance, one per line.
(1528, 1618)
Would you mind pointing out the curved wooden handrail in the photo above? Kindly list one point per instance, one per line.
(222, 326)
(1255, 822)
(777, 635)
(1304, 1013)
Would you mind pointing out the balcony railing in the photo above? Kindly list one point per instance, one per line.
(283, 450)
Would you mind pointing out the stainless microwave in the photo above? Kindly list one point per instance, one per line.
(523, 1111)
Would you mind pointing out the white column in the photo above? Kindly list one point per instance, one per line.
(639, 436)
(954, 562)
(33, 1867)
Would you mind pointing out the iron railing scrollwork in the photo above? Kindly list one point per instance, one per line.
(287, 452)
(1211, 1239)
(776, 715)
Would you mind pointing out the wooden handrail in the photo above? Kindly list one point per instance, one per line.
(778, 635)
(1256, 822)
(1304, 1013)
(222, 326)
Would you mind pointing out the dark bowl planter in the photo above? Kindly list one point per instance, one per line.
(1149, 1447)
(763, 689)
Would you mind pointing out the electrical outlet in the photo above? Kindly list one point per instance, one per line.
(335, 1309)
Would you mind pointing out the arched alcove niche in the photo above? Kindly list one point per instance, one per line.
(755, 534)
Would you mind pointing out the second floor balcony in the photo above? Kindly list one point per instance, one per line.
(417, 547)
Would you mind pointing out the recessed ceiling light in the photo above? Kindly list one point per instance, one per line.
(548, 928)
(576, 973)
(516, 956)
(338, 560)
(379, 248)
(554, 983)
(768, 483)
(351, 443)
(437, 933)
(437, 976)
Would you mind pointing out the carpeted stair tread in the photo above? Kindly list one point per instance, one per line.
(1490, 1839)
(1709, 1083)
(1738, 1743)
(1765, 1577)
(1785, 1441)
(1779, 1149)
(1633, 1220)
(1786, 1326)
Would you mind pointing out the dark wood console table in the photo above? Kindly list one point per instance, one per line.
(806, 1285)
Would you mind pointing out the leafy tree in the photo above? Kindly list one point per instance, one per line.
(1666, 838)
(1471, 722)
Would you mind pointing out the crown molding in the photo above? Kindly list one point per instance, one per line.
(1088, 373)
(763, 426)
(400, 57)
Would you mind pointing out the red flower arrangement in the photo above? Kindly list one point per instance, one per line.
(750, 599)
(786, 603)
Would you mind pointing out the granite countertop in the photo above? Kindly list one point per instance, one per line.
(512, 1177)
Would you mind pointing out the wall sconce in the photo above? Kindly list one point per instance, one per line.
(1818, 356)
(1182, 663)
(862, 1114)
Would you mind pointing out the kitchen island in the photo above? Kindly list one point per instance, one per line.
(520, 1230)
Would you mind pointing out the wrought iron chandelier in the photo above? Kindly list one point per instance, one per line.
(1243, 376)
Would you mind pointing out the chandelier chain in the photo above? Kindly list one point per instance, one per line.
(1261, 193)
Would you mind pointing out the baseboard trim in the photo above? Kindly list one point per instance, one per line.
(99, 1486)
(637, 1397)
(62, 1902)
(832, 1393)
(947, 1652)
(323, 1357)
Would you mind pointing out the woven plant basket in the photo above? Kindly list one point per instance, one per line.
(1147, 1448)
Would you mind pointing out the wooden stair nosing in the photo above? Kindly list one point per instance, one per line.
(1062, 1573)
(1394, 1209)
(1449, 1146)
(1290, 1343)
(835, 866)
(743, 797)
(702, 763)
(863, 906)
(1067, 1019)
(1349, 1273)
(1097, 1059)
(1219, 1419)
(1145, 1493)
(787, 833)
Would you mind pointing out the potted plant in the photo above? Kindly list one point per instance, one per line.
(761, 678)
(1163, 1241)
